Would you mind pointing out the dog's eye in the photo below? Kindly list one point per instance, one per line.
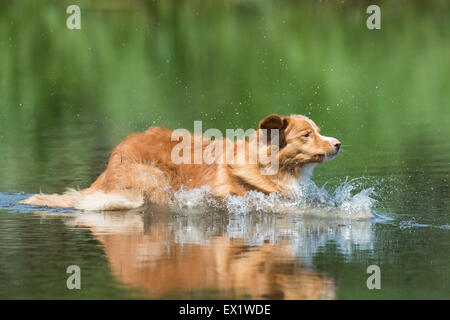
(306, 135)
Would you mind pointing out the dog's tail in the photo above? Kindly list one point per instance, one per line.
(50, 200)
(87, 200)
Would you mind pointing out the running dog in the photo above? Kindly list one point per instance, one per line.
(142, 168)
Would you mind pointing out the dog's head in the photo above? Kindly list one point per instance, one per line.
(300, 140)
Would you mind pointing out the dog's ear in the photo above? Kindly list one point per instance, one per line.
(275, 122)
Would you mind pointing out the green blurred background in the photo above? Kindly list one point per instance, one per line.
(228, 63)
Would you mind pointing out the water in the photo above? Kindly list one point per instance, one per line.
(68, 97)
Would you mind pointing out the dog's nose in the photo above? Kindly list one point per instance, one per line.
(337, 144)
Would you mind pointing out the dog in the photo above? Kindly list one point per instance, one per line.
(141, 169)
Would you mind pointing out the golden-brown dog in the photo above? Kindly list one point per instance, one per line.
(144, 167)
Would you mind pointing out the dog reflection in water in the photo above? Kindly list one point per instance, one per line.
(167, 257)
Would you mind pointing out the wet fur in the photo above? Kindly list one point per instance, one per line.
(140, 169)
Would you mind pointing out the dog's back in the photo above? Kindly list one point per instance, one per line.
(140, 169)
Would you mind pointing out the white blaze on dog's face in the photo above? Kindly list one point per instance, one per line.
(300, 140)
(303, 135)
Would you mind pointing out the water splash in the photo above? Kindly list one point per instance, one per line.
(350, 199)
(344, 201)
